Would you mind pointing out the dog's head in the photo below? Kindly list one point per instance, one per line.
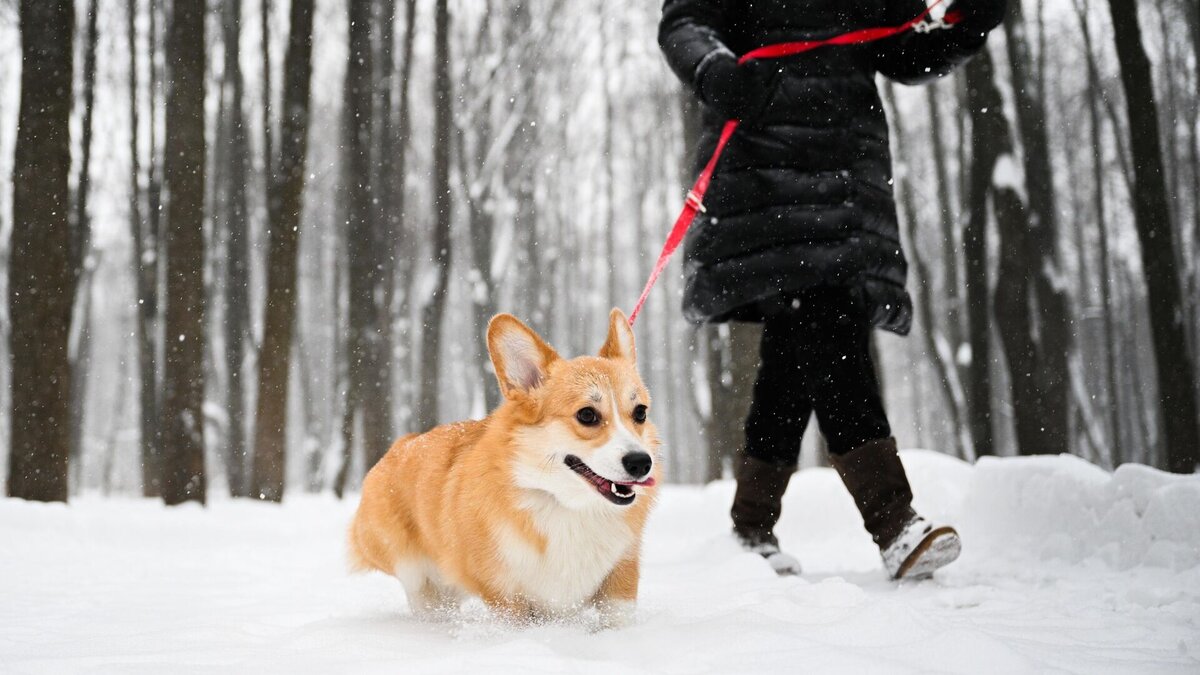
(581, 426)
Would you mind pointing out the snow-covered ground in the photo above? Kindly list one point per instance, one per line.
(1066, 568)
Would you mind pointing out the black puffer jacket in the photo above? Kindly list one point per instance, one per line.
(802, 196)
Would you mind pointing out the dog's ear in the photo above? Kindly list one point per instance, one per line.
(520, 357)
(619, 344)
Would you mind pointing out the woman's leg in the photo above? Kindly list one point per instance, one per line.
(845, 392)
(835, 333)
(780, 408)
(778, 416)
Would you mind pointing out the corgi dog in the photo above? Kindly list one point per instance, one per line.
(538, 509)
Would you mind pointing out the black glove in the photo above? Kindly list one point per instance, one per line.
(738, 92)
(979, 15)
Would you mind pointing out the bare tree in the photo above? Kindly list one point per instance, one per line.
(1044, 301)
(1094, 94)
(384, 219)
(285, 201)
(478, 165)
(937, 350)
(83, 261)
(40, 275)
(435, 305)
(145, 274)
(522, 161)
(184, 476)
(237, 263)
(1175, 367)
(264, 23)
(981, 100)
(364, 344)
(398, 289)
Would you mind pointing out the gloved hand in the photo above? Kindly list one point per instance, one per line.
(979, 15)
(736, 91)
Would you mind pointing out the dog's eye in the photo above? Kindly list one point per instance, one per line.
(639, 414)
(588, 417)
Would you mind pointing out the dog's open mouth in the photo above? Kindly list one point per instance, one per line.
(619, 493)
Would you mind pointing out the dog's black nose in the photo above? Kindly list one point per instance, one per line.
(637, 464)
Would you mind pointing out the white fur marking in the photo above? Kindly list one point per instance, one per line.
(582, 547)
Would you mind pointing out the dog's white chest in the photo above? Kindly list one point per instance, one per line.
(582, 547)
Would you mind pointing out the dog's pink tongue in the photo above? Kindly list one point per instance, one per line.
(647, 482)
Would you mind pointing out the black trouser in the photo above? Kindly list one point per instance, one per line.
(815, 356)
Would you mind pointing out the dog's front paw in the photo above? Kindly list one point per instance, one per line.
(616, 613)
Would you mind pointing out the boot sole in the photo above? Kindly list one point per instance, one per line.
(938, 549)
(783, 564)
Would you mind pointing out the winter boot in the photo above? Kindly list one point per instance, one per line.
(756, 508)
(911, 547)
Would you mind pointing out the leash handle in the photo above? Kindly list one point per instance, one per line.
(695, 197)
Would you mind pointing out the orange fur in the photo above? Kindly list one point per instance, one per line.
(489, 508)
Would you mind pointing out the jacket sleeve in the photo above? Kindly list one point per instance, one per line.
(691, 34)
(913, 57)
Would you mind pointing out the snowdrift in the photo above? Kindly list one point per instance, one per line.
(1065, 567)
(1065, 508)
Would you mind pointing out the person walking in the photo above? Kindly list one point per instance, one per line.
(801, 235)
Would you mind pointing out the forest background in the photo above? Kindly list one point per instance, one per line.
(245, 243)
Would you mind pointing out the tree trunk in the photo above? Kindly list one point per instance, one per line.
(314, 451)
(1014, 323)
(532, 298)
(941, 359)
(343, 343)
(607, 69)
(82, 264)
(1192, 13)
(365, 339)
(285, 203)
(1174, 365)
(184, 176)
(1046, 302)
(145, 275)
(115, 424)
(1112, 400)
(744, 343)
(385, 219)
(80, 350)
(950, 234)
(483, 303)
(398, 289)
(981, 100)
(40, 275)
(237, 279)
(154, 169)
(264, 22)
(443, 88)
(477, 179)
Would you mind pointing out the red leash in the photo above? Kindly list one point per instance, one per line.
(695, 197)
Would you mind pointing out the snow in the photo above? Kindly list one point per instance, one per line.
(1066, 567)
(1007, 174)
